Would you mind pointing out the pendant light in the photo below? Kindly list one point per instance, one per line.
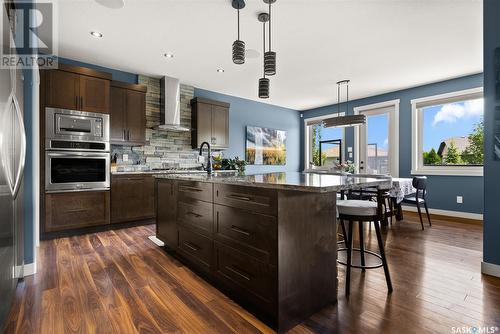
(270, 56)
(264, 82)
(238, 45)
(346, 120)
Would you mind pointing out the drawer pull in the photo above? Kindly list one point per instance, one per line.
(239, 272)
(191, 246)
(241, 198)
(194, 214)
(239, 230)
(186, 188)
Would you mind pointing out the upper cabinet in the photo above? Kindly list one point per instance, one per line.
(78, 88)
(210, 121)
(128, 113)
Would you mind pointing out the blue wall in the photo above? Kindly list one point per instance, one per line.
(442, 189)
(117, 75)
(491, 167)
(245, 112)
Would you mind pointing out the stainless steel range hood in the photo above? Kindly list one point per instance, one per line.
(170, 105)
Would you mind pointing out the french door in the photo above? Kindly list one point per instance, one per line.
(377, 140)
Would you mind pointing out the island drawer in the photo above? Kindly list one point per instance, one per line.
(195, 190)
(253, 233)
(260, 200)
(196, 214)
(237, 269)
(195, 247)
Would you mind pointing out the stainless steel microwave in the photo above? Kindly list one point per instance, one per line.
(76, 126)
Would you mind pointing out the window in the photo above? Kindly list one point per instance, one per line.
(324, 146)
(448, 134)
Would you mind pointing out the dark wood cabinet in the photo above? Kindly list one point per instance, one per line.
(62, 90)
(256, 244)
(77, 88)
(132, 198)
(210, 123)
(166, 213)
(94, 94)
(65, 211)
(128, 114)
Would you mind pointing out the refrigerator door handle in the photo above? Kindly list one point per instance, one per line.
(22, 162)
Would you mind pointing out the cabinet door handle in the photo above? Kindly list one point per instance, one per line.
(241, 198)
(187, 188)
(191, 246)
(76, 102)
(123, 135)
(239, 272)
(196, 215)
(128, 134)
(239, 230)
(81, 102)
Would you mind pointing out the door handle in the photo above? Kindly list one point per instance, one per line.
(128, 134)
(196, 215)
(20, 168)
(191, 246)
(81, 102)
(76, 102)
(123, 135)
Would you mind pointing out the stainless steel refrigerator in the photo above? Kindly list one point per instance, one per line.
(12, 160)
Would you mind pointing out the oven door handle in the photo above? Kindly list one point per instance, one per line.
(79, 154)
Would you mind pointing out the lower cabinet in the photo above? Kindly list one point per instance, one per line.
(132, 198)
(71, 210)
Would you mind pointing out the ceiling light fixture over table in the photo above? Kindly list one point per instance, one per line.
(347, 120)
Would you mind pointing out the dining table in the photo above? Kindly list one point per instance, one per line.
(401, 187)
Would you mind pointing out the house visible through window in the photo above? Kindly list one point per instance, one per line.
(453, 133)
(325, 145)
(448, 134)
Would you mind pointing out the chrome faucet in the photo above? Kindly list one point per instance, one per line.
(209, 163)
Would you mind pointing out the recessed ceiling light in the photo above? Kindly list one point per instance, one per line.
(96, 34)
(169, 55)
(220, 70)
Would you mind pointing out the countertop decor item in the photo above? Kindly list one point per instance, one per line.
(265, 146)
(347, 166)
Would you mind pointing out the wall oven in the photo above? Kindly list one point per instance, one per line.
(77, 156)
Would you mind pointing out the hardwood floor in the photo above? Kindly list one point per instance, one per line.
(120, 282)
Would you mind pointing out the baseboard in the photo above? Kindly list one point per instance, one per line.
(157, 241)
(463, 217)
(29, 269)
(490, 269)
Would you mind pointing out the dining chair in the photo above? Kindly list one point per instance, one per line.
(419, 183)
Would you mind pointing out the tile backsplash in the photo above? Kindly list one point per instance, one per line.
(163, 148)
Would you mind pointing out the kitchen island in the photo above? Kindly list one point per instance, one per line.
(268, 240)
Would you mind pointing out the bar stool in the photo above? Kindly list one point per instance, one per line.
(362, 211)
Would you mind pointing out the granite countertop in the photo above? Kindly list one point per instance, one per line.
(308, 182)
(173, 171)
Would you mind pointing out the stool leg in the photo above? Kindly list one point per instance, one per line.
(382, 254)
(342, 225)
(349, 259)
(362, 244)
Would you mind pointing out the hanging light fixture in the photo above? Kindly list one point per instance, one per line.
(270, 56)
(238, 45)
(264, 82)
(346, 120)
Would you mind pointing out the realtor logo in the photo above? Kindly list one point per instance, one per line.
(28, 35)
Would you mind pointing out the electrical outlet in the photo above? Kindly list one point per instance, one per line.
(125, 158)
(460, 199)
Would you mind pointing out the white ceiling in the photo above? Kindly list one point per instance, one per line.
(381, 45)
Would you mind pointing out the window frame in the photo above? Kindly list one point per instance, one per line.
(308, 135)
(417, 117)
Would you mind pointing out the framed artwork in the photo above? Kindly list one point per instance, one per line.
(265, 146)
